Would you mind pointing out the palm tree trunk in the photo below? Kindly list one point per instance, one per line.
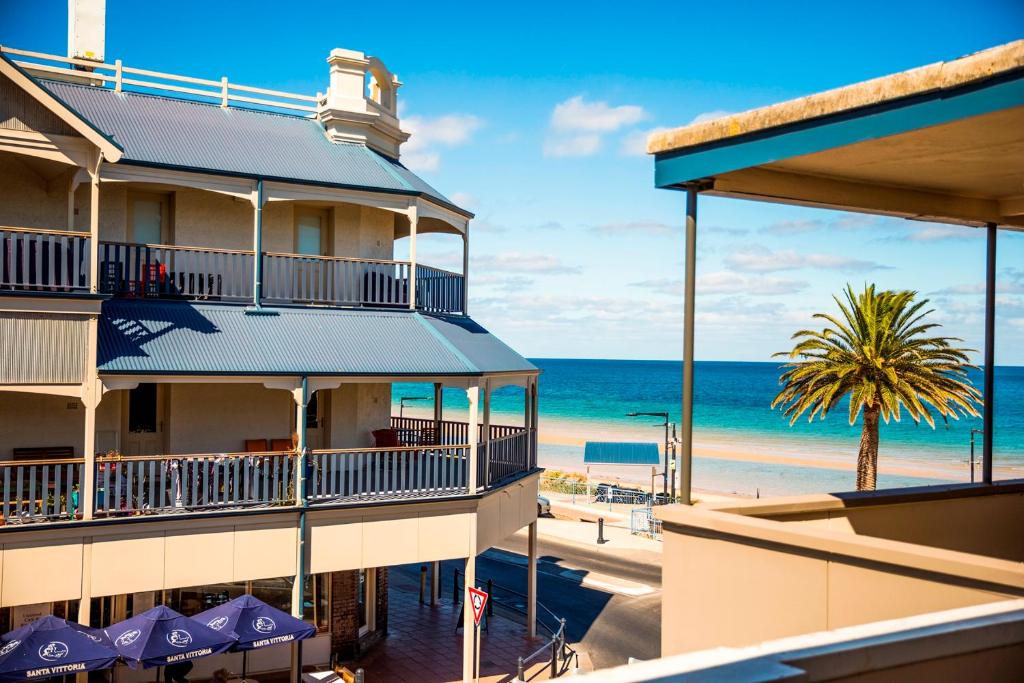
(867, 458)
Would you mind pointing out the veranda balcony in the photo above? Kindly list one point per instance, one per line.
(433, 463)
(56, 261)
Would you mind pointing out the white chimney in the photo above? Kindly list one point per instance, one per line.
(354, 112)
(87, 24)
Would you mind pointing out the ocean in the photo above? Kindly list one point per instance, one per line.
(741, 444)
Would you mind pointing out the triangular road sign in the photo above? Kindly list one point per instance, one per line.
(477, 599)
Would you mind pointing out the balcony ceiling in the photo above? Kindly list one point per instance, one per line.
(180, 338)
(943, 142)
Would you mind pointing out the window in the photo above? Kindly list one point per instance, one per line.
(311, 231)
(316, 603)
(366, 597)
(149, 218)
(142, 411)
(275, 592)
(312, 422)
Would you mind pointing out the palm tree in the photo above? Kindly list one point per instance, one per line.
(881, 354)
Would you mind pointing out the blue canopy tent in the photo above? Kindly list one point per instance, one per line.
(253, 624)
(161, 636)
(620, 453)
(50, 647)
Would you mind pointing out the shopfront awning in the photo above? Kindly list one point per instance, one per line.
(138, 337)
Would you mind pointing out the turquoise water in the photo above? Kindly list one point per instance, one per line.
(732, 410)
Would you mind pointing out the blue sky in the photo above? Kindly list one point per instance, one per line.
(534, 116)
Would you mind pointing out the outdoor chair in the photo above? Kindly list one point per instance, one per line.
(256, 446)
(281, 445)
(386, 438)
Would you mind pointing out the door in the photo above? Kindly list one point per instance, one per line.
(312, 238)
(144, 420)
(149, 218)
(316, 422)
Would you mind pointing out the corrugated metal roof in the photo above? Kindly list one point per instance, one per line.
(174, 337)
(621, 453)
(478, 346)
(186, 134)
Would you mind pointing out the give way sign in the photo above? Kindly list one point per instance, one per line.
(477, 599)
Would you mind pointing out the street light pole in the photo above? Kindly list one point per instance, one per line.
(403, 399)
(664, 474)
(973, 432)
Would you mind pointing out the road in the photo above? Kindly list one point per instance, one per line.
(610, 626)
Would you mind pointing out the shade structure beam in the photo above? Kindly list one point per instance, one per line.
(988, 428)
(689, 305)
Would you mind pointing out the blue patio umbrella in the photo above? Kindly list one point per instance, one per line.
(254, 624)
(49, 647)
(161, 636)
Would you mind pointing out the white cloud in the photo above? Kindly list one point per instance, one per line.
(648, 227)
(758, 259)
(577, 114)
(463, 199)
(518, 262)
(724, 282)
(427, 134)
(635, 142)
(793, 227)
(939, 233)
(709, 116)
(577, 125)
(572, 146)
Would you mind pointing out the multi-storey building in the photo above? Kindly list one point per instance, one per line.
(201, 318)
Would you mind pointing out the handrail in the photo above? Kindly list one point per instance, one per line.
(389, 449)
(222, 89)
(176, 247)
(45, 231)
(335, 258)
(187, 456)
(47, 461)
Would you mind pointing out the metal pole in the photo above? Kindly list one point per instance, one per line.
(973, 431)
(990, 352)
(664, 486)
(257, 246)
(686, 441)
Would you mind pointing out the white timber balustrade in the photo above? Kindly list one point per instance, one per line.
(335, 280)
(390, 473)
(44, 260)
(41, 490)
(192, 483)
(164, 271)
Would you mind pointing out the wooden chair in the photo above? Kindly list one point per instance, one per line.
(428, 437)
(386, 438)
(256, 446)
(281, 445)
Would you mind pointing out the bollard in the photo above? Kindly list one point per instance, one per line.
(360, 676)
(423, 583)
(455, 587)
(520, 673)
(600, 530)
(490, 598)
(554, 658)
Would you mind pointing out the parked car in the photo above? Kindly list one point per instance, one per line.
(543, 506)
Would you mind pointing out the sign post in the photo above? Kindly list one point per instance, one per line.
(477, 600)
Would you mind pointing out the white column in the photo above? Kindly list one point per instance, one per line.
(468, 630)
(485, 433)
(301, 398)
(465, 271)
(473, 395)
(413, 220)
(94, 224)
(92, 394)
(531, 581)
(257, 244)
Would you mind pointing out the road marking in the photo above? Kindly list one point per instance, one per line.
(602, 582)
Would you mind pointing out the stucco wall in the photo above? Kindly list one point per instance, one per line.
(43, 420)
(218, 418)
(24, 199)
(357, 410)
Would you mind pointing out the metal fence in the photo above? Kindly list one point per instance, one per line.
(642, 522)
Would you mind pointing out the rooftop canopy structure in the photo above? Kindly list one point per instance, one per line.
(943, 143)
